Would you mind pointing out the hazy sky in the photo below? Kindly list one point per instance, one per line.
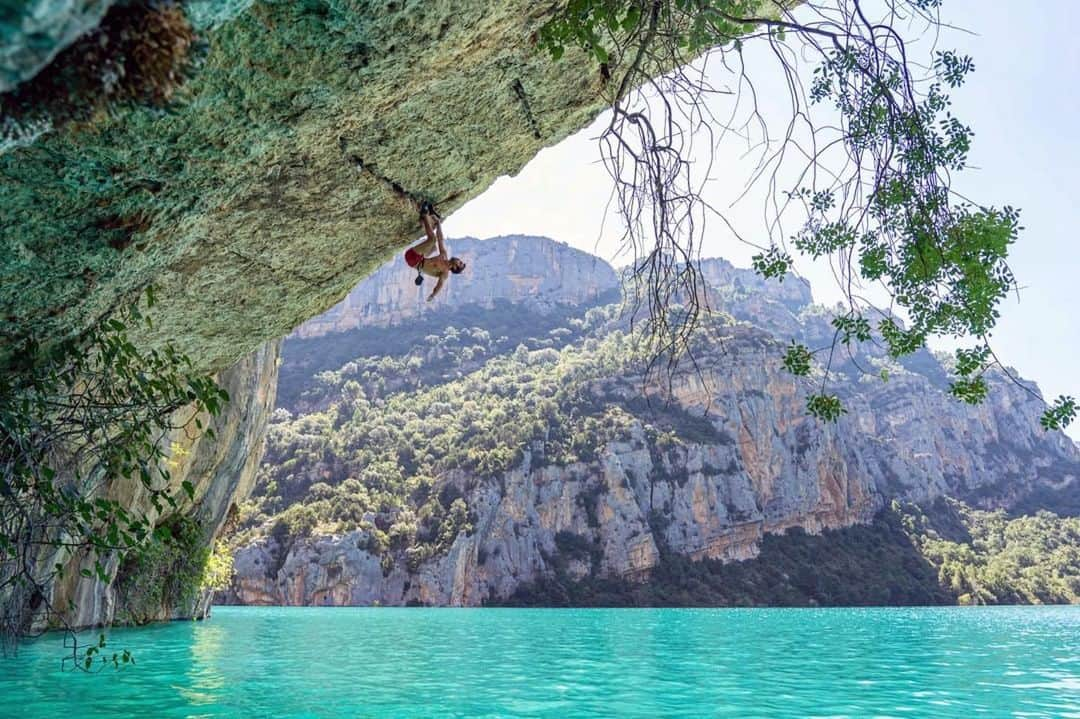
(1023, 102)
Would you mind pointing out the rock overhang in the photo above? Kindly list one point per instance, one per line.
(259, 197)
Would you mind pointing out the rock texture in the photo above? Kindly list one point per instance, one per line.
(222, 472)
(264, 192)
(534, 271)
(756, 464)
(775, 469)
(33, 32)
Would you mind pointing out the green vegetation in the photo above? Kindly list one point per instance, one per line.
(421, 354)
(370, 453)
(218, 571)
(947, 554)
(75, 417)
(990, 558)
(382, 456)
(174, 569)
(164, 572)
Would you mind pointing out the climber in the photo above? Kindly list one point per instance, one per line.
(439, 265)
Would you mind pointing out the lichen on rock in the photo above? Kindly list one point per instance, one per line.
(238, 201)
(254, 191)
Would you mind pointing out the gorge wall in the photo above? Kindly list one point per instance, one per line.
(255, 194)
(263, 190)
(221, 470)
(731, 457)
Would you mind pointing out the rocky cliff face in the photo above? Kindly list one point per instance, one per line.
(747, 461)
(773, 469)
(265, 190)
(608, 518)
(532, 271)
(221, 470)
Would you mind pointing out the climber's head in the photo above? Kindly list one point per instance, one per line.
(456, 266)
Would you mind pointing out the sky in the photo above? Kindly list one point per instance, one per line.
(1023, 103)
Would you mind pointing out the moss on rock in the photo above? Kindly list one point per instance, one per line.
(241, 201)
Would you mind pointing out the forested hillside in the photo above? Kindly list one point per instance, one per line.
(506, 452)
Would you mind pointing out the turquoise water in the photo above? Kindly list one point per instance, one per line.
(325, 662)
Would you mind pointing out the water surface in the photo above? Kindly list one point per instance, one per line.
(326, 662)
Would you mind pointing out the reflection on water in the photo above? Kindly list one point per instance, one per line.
(208, 644)
(323, 662)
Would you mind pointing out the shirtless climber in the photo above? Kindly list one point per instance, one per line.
(436, 266)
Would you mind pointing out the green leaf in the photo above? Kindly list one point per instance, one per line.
(797, 359)
(1060, 414)
(972, 391)
(852, 328)
(826, 407)
(772, 264)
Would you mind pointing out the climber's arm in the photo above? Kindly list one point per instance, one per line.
(438, 286)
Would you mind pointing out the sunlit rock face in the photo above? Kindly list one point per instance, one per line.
(756, 465)
(266, 187)
(772, 468)
(264, 191)
(532, 271)
(221, 470)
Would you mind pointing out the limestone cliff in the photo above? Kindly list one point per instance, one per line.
(774, 469)
(745, 460)
(264, 189)
(222, 472)
(256, 194)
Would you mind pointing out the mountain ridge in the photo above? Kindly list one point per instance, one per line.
(469, 466)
